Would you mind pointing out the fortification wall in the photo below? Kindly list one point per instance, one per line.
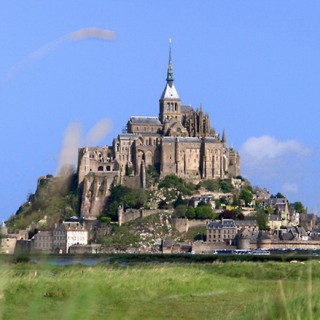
(199, 247)
(299, 244)
(133, 214)
(197, 223)
(184, 224)
(181, 225)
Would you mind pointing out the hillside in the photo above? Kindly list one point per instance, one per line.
(56, 199)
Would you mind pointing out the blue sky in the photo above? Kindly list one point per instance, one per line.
(253, 65)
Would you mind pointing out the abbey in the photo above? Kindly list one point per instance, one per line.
(179, 141)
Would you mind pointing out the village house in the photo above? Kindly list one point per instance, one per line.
(69, 233)
(250, 225)
(42, 242)
(275, 221)
(224, 230)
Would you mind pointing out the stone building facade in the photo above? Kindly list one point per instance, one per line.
(68, 233)
(179, 141)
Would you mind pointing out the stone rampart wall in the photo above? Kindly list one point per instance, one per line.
(133, 214)
(290, 245)
(207, 247)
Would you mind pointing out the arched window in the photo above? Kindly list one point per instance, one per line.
(108, 168)
(100, 168)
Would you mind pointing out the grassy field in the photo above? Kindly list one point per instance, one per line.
(232, 290)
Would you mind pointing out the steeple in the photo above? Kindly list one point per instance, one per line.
(169, 100)
(224, 136)
(170, 67)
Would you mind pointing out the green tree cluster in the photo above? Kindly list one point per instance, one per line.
(216, 185)
(129, 198)
(262, 219)
(231, 214)
(177, 185)
(200, 212)
(246, 195)
(153, 175)
(299, 207)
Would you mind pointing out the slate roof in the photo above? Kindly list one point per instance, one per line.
(224, 224)
(241, 223)
(169, 92)
(274, 217)
(145, 120)
(210, 139)
(185, 108)
(181, 139)
(124, 136)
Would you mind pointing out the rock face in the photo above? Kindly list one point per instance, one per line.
(180, 141)
(96, 188)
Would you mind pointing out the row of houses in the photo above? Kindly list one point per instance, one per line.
(59, 240)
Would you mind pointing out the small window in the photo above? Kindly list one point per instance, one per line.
(100, 168)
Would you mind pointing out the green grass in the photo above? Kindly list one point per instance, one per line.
(232, 290)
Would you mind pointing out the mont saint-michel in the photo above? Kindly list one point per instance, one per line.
(179, 141)
(168, 183)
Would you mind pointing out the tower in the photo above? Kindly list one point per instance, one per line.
(170, 104)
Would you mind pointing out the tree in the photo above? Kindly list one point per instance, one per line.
(190, 213)
(298, 206)
(223, 200)
(279, 195)
(204, 212)
(211, 185)
(202, 203)
(153, 175)
(180, 211)
(262, 219)
(179, 201)
(228, 214)
(173, 182)
(225, 186)
(246, 195)
(129, 198)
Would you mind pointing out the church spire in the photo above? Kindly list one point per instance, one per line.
(224, 136)
(170, 67)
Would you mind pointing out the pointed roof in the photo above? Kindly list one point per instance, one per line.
(224, 136)
(170, 91)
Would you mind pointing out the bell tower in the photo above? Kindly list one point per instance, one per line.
(170, 104)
